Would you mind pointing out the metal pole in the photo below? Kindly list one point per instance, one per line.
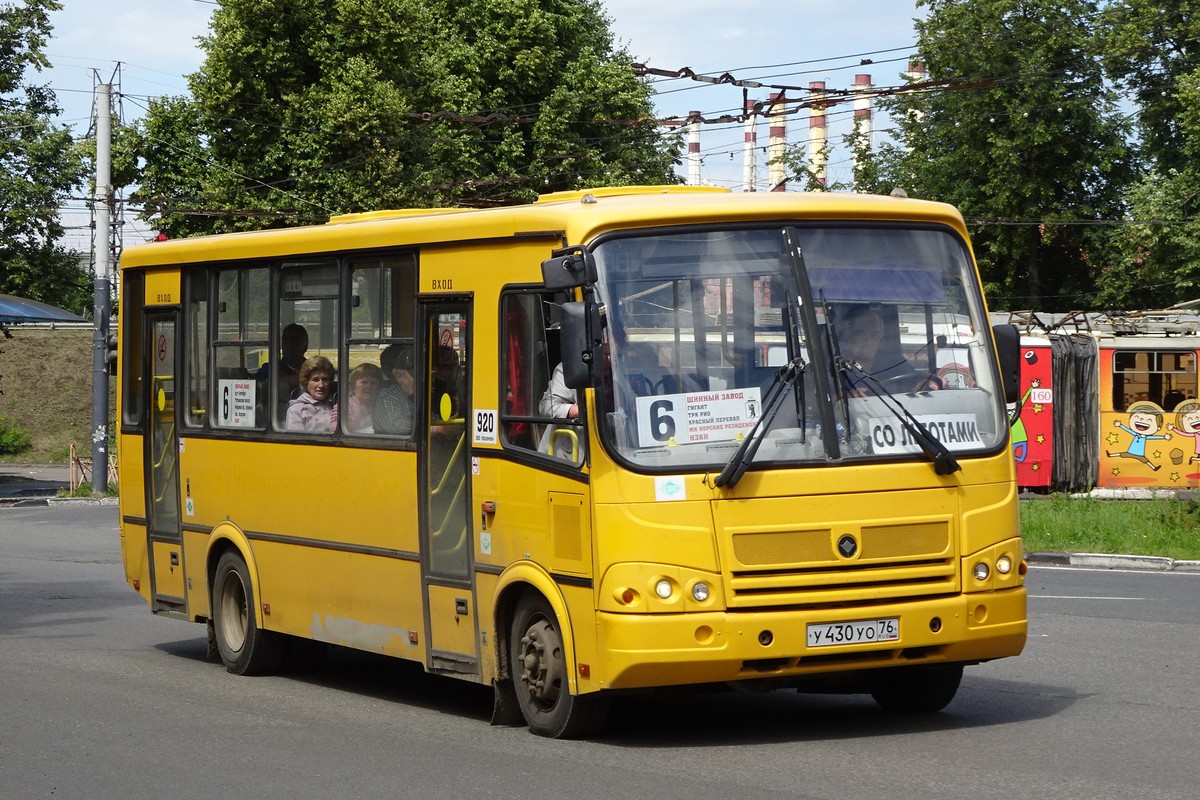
(693, 148)
(100, 290)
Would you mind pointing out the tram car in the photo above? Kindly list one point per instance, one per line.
(1108, 401)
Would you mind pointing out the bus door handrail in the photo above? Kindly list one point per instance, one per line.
(437, 490)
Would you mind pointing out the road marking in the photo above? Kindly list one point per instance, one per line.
(1078, 597)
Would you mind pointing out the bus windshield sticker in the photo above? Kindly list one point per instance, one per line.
(670, 488)
(696, 417)
(235, 408)
(959, 431)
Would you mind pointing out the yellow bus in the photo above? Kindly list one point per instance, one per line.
(625, 438)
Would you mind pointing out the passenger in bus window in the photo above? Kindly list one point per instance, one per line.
(365, 382)
(293, 345)
(315, 409)
(862, 337)
(559, 401)
(394, 410)
(446, 375)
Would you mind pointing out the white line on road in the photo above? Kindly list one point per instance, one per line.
(1078, 597)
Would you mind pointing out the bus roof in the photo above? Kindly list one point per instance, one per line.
(575, 217)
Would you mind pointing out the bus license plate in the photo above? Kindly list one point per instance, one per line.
(866, 630)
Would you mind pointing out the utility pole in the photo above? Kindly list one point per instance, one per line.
(100, 290)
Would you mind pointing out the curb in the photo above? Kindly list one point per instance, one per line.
(1103, 561)
(32, 502)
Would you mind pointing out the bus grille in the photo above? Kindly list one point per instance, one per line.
(802, 568)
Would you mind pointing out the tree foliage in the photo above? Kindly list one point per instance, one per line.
(1152, 50)
(306, 109)
(39, 167)
(1017, 127)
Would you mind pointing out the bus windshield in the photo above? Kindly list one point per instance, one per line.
(872, 323)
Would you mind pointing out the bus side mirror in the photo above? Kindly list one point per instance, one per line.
(1008, 351)
(569, 268)
(579, 342)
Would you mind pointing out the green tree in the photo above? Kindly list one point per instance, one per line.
(1016, 127)
(39, 167)
(306, 109)
(1152, 51)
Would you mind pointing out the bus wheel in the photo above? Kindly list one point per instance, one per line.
(245, 648)
(539, 671)
(917, 690)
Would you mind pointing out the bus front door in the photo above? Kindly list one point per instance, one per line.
(162, 473)
(452, 626)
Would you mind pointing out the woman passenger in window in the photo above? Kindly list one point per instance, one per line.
(315, 408)
(365, 381)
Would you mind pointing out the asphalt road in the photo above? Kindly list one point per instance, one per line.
(99, 699)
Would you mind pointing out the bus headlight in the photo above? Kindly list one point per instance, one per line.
(699, 591)
(1004, 565)
(663, 588)
(981, 571)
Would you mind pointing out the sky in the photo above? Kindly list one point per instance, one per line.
(780, 42)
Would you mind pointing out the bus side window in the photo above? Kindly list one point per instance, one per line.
(308, 328)
(195, 338)
(529, 355)
(380, 333)
(239, 345)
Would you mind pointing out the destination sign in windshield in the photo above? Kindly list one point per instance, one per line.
(691, 418)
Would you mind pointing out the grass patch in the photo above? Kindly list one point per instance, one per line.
(46, 391)
(85, 490)
(1064, 524)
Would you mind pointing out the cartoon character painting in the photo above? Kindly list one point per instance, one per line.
(1187, 415)
(1145, 421)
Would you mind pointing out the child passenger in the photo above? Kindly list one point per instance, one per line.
(365, 381)
(314, 409)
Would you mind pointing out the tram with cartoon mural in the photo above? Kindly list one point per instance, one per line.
(1108, 401)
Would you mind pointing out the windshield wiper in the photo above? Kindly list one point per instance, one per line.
(785, 376)
(944, 462)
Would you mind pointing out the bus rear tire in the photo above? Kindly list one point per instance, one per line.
(916, 690)
(245, 648)
(540, 676)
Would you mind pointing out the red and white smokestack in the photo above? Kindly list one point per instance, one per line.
(750, 149)
(693, 148)
(862, 118)
(915, 74)
(817, 157)
(776, 143)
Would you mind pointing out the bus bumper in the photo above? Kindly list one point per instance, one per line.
(645, 650)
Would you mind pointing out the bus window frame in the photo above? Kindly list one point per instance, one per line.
(534, 454)
(133, 350)
(348, 262)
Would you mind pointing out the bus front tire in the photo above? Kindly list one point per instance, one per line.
(540, 676)
(916, 690)
(245, 648)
